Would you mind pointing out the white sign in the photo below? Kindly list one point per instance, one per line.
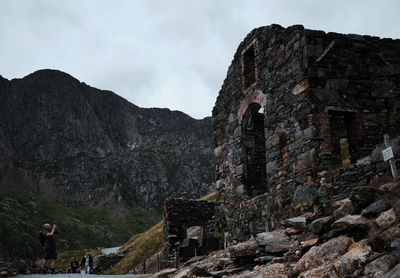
(387, 153)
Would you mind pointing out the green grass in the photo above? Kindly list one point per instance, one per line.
(142, 246)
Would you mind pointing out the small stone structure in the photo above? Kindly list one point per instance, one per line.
(179, 215)
(296, 120)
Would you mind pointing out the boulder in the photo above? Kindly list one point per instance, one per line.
(224, 272)
(164, 273)
(275, 242)
(326, 252)
(320, 224)
(244, 249)
(363, 196)
(393, 273)
(386, 219)
(336, 261)
(350, 264)
(345, 208)
(298, 222)
(390, 234)
(380, 266)
(350, 222)
(375, 208)
(276, 270)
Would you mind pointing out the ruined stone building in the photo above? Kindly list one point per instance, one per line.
(179, 216)
(296, 121)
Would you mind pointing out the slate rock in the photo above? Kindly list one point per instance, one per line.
(380, 266)
(164, 273)
(393, 273)
(320, 224)
(276, 270)
(386, 219)
(349, 264)
(224, 272)
(275, 241)
(375, 208)
(363, 196)
(319, 255)
(244, 249)
(345, 208)
(298, 222)
(350, 222)
(390, 234)
(395, 246)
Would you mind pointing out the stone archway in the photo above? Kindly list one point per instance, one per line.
(253, 144)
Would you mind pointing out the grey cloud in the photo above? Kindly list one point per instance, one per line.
(163, 53)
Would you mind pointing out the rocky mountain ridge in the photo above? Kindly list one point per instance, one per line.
(78, 145)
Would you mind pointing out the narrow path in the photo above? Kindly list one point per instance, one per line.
(110, 250)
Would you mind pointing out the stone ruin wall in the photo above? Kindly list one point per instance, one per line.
(313, 88)
(178, 216)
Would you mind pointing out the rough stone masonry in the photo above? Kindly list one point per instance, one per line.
(296, 121)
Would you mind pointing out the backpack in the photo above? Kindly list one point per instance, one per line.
(42, 238)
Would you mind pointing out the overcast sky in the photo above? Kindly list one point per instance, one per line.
(163, 53)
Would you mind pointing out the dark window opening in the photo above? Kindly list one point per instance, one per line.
(254, 150)
(344, 138)
(249, 67)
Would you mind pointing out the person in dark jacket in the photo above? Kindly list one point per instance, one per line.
(50, 252)
(87, 263)
(74, 266)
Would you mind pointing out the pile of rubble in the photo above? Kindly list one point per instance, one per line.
(358, 237)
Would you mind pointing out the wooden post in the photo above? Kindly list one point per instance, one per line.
(392, 163)
(144, 267)
(158, 262)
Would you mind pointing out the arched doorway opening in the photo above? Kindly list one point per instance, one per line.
(253, 142)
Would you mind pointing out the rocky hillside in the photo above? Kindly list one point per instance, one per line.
(80, 145)
(68, 149)
(360, 237)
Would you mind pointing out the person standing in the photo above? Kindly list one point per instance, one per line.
(50, 252)
(87, 263)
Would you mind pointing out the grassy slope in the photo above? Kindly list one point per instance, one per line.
(144, 246)
(22, 217)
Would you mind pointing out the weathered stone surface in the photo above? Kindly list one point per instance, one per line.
(395, 246)
(346, 265)
(225, 272)
(298, 222)
(319, 224)
(393, 273)
(326, 252)
(350, 222)
(377, 268)
(375, 208)
(390, 234)
(308, 242)
(350, 264)
(270, 271)
(363, 196)
(345, 209)
(164, 273)
(244, 249)
(275, 241)
(303, 194)
(386, 219)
